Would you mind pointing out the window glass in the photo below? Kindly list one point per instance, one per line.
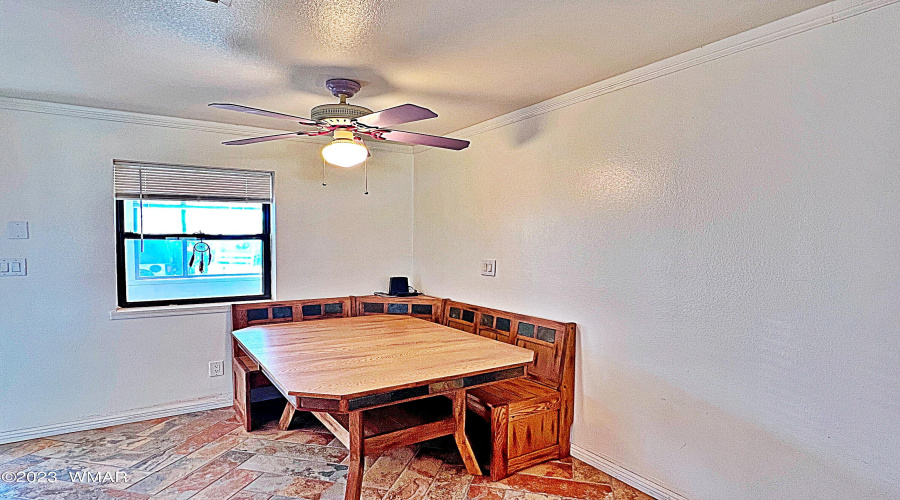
(191, 217)
(156, 267)
(228, 257)
(159, 259)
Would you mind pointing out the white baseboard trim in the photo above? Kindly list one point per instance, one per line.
(128, 417)
(618, 471)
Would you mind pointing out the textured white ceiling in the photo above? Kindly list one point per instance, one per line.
(467, 60)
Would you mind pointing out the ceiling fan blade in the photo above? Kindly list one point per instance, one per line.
(404, 113)
(263, 112)
(254, 140)
(423, 139)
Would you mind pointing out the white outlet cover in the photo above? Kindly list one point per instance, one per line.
(216, 368)
(17, 230)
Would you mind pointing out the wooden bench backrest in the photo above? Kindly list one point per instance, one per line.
(553, 342)
(264, 313)
(420, 306)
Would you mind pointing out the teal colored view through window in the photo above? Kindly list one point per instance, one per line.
(158, 240)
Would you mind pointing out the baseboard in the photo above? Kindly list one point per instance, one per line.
(616, 470)
(128, 417)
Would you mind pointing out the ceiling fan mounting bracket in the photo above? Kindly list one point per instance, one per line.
(342, 87)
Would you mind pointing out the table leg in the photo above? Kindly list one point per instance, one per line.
(462, 441)
(357, 457)
(286, 417)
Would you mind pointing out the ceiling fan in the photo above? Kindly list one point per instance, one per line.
(348, 122)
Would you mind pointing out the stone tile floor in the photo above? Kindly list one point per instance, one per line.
(207, 455)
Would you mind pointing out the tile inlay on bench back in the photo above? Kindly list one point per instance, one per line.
(262, 313)
(545, 337)
(421, 306)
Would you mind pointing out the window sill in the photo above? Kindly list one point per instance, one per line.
(164, 311)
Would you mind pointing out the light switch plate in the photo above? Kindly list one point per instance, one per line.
(489, 267)
(12, 267)
(17, 230)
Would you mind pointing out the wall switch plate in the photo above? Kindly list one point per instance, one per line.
(12, 267)
(489, 267)
(17, 230)
(216, 368)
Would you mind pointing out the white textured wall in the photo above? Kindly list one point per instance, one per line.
(62, 359)
(728, 239)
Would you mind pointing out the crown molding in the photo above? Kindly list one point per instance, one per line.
(111, 115)
(844, 9)
(822, 15)
(798, 23)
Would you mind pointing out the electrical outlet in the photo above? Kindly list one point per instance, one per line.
(216, 368)
(489, 267)
(17, 230)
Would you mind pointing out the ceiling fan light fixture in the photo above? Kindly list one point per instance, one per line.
(344, 150)
(226, 3)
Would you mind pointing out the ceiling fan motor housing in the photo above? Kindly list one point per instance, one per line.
(338, 113)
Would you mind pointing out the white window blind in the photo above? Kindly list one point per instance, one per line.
(136, 180)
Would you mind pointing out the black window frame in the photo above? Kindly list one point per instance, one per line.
(122, 236)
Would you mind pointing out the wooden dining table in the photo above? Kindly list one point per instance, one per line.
(365, 378)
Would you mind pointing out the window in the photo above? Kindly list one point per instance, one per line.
(161, 259)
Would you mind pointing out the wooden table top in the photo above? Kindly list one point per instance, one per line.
(343, 358)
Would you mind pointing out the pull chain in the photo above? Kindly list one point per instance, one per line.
(366, 167)
(141, 209)
(323, 171)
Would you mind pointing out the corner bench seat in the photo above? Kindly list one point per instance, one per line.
(522, 397)
(246, 376)
(530, 418)
(247, 364)
(528, 424)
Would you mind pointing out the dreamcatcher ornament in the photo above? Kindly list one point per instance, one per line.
(199, 253)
